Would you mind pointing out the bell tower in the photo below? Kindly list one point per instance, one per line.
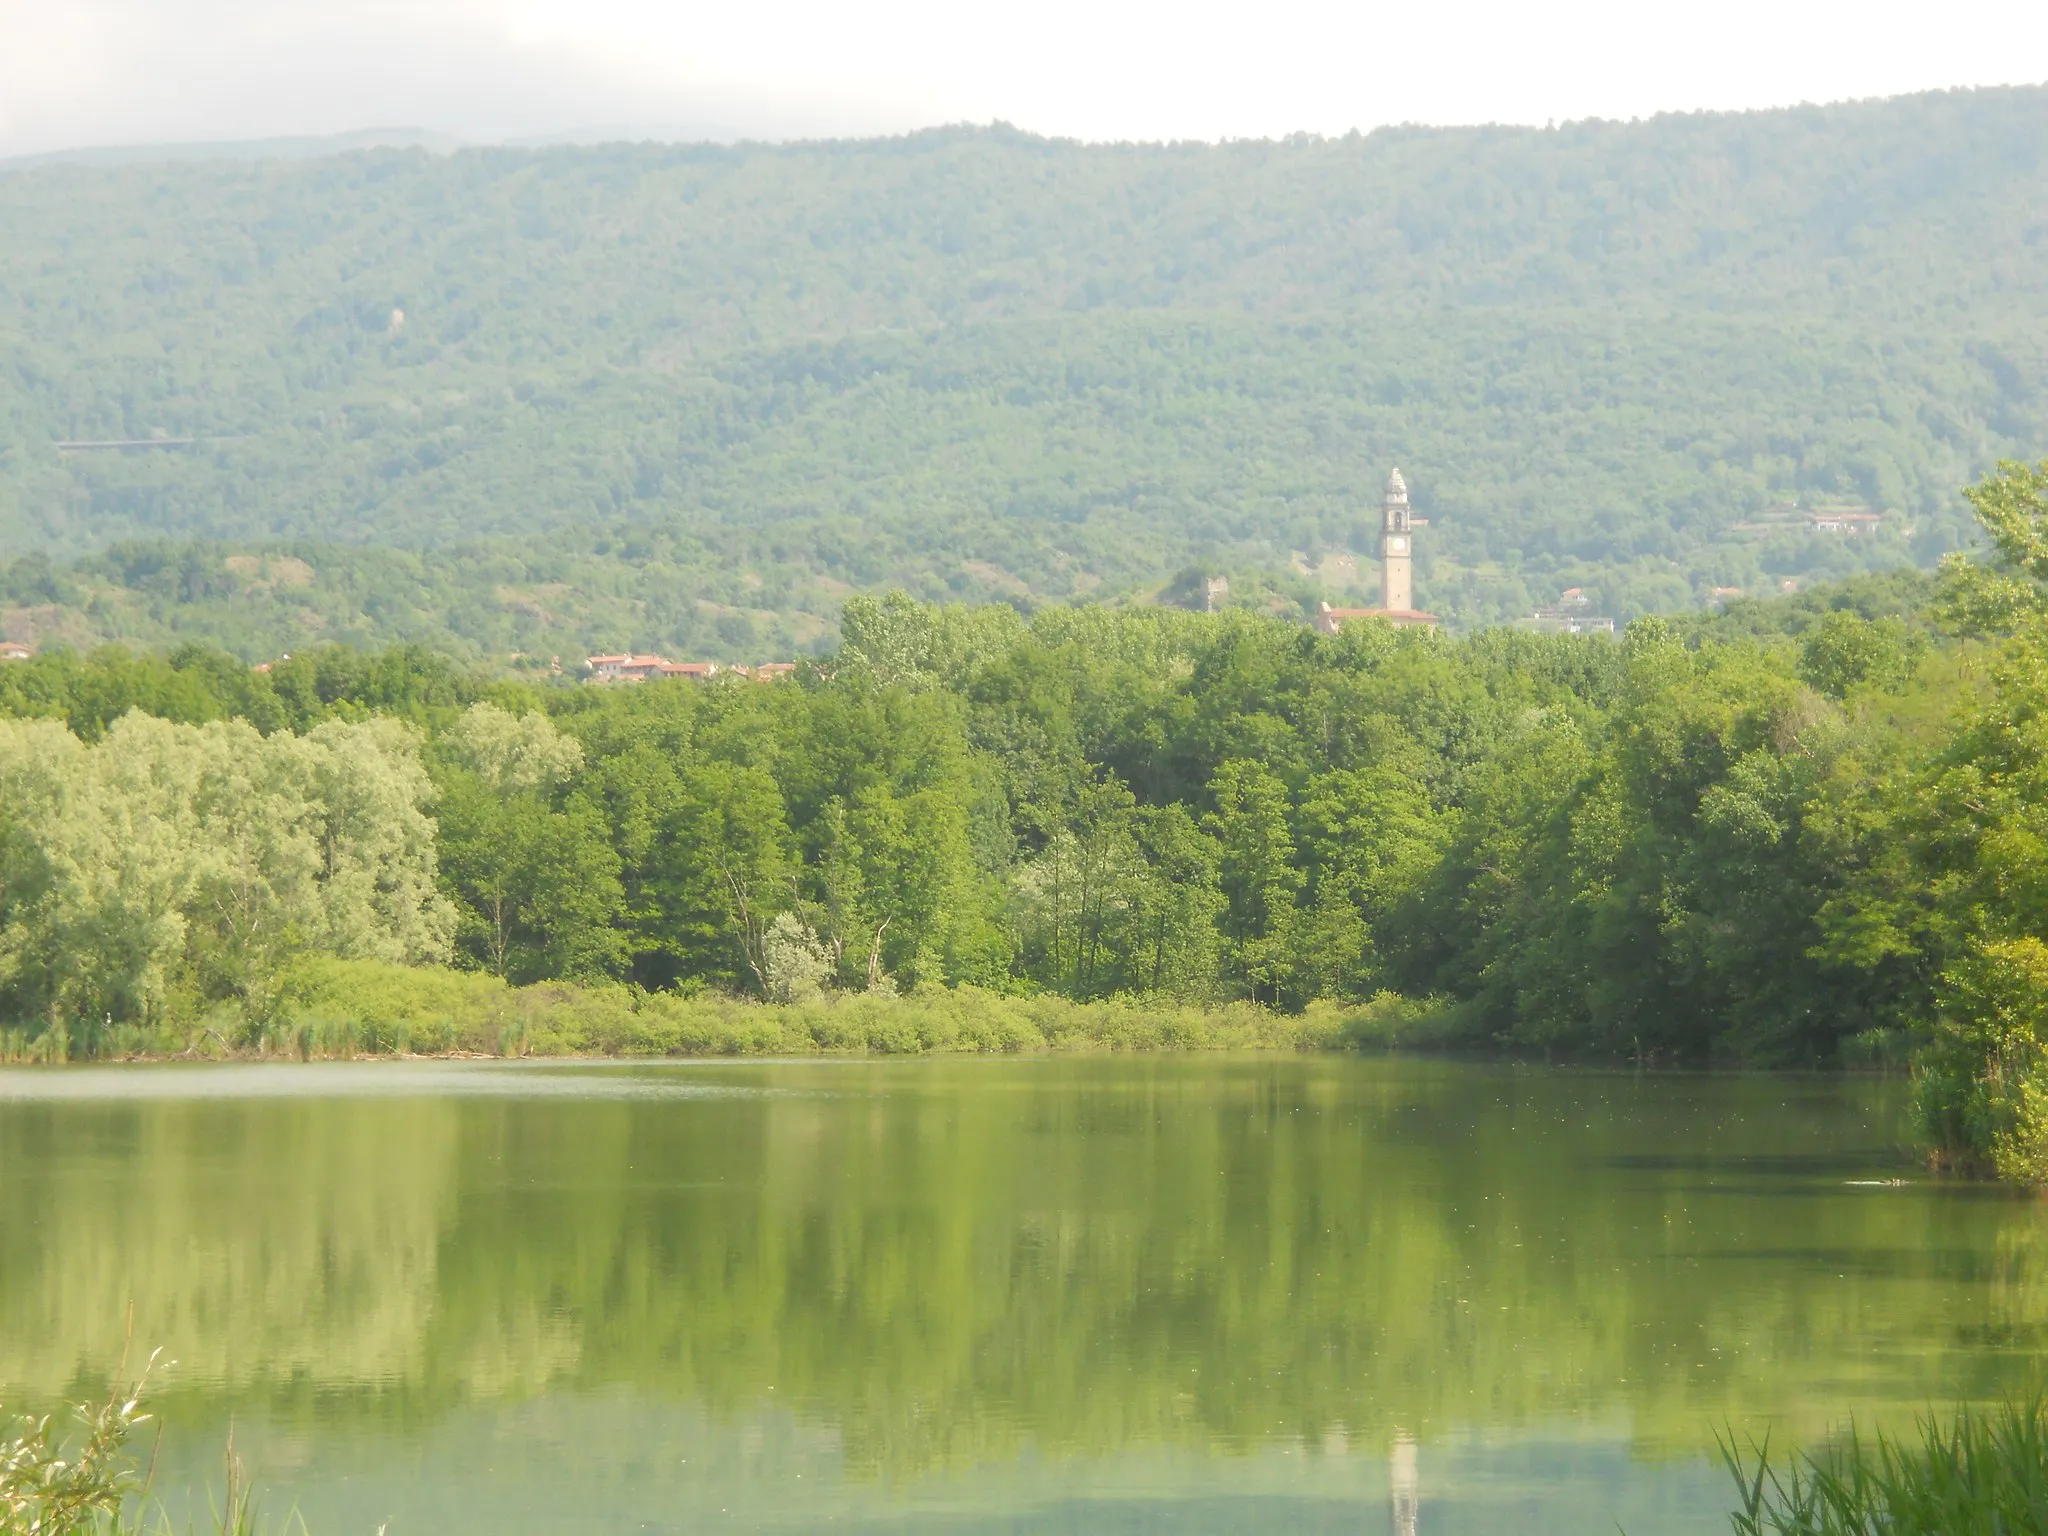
(1397, 581)
(1397, 547)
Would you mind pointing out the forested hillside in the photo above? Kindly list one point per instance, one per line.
(692, 396)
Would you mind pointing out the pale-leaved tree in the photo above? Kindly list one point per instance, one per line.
(174, 860)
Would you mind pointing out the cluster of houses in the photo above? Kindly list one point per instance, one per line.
(629, 668)
(1844, 520)
(626, 668)
(1571, 614)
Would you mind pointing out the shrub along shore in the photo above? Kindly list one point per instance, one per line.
(329, 1009)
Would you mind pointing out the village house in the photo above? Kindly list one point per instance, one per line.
(14, 650)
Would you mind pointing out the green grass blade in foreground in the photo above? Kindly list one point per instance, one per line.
(1974, 1473)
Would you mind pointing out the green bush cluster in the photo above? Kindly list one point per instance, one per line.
(335, 1008)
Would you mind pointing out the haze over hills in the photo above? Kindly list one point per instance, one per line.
(689, 396)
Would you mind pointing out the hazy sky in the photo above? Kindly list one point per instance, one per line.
(76, 72)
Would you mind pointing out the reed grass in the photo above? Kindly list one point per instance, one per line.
(1971, 1473)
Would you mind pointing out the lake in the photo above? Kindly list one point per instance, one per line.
(1133, 1294)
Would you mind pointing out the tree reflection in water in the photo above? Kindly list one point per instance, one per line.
(946, 1264)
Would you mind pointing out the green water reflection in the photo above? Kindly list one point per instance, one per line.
(1048, 1294)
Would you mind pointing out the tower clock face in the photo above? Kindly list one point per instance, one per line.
(1396, 544)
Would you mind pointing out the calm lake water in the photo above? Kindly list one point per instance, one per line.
(1125, 1295)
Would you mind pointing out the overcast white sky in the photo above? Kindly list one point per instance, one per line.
(80, 72)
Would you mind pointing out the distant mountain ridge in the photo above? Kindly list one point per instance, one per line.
(356, 140)
(683, 382)
(290, 147)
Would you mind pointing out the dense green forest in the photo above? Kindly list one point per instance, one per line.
(1792, 830)
(690, 397)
